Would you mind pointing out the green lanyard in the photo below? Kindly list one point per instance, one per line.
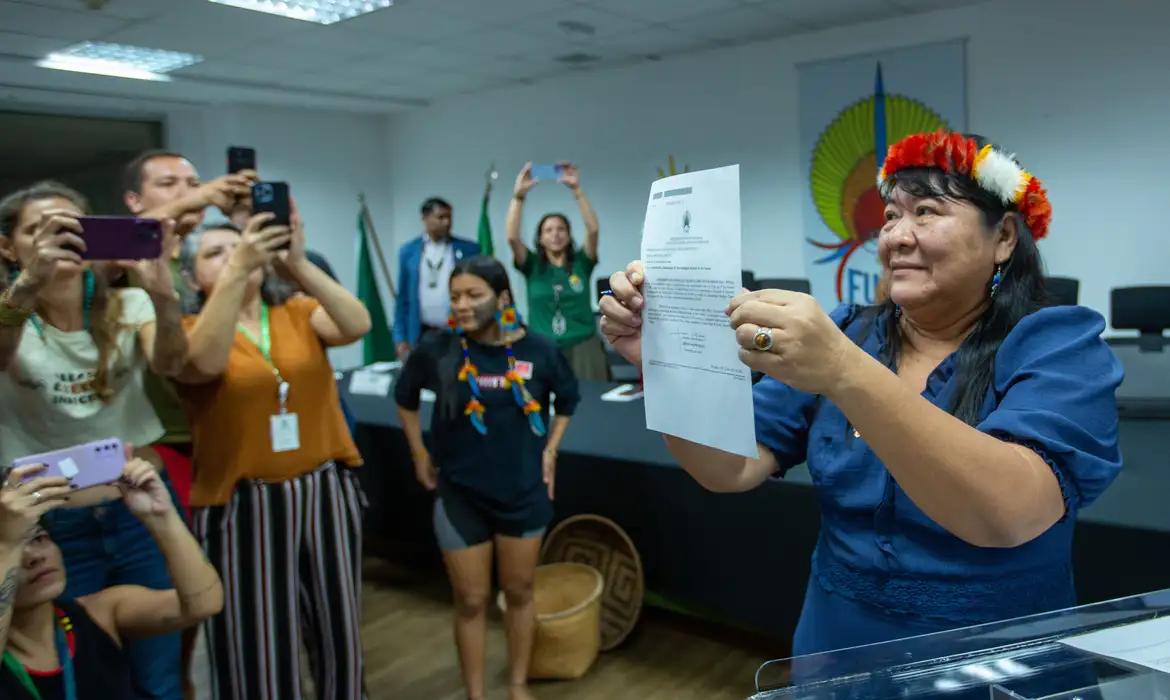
(264, 343)
(21, 673)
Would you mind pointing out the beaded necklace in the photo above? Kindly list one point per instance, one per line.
(468, 372)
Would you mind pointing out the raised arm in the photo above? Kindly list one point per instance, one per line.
(210, 339)
(224, 193)
(572, 179)
(163, 340)
(342, 318)
(56, 240)
(137, 612)
(22, 503)
(524, 183)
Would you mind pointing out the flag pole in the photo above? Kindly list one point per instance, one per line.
(491, 180)
(373, 233)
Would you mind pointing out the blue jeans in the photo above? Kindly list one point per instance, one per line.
(103, 546)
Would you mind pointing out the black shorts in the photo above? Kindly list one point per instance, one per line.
(462, 522)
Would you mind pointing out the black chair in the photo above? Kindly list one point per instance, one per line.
(790, 284)
(1063, 291)
(1142, 309)
(749, 280)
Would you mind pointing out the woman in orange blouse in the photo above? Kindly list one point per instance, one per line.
(274, 499)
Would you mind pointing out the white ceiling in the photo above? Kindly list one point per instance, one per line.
(407, 55)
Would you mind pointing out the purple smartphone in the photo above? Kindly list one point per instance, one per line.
(88, 465)
(120, 238)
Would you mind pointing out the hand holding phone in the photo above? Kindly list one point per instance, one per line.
(143, 490)
(91, 464)
(25, 496)
(56, 241)
(120, 238)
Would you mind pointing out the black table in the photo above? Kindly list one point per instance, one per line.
(744, 558)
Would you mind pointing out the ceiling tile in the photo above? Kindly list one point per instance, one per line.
(290, 57)
(663, 11)
(743, 24)
(929, 5)
(327, 81)
(116, 9)
(230, 71)
(31, 46)
(383, 89)
(408, 20)
(498, 12)
(386, 69)
(208, 29)
(507, 43)
(22, 18)
(655, 41)
(822, 14)
(604, 24)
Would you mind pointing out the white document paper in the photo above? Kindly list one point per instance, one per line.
(364, 381)
(695, 386)
(1144, 643)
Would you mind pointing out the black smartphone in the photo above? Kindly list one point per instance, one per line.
(240, 158)
(272, 197)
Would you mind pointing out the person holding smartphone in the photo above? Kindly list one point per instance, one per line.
(58, 646)
(73, 355)
(494, 462)
(275, 501)
(560, 303)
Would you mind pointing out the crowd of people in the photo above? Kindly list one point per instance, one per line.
(952, 430)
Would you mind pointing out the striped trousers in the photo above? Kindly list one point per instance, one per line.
(289, 554)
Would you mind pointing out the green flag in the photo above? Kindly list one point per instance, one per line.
(485, 229)
(378, 345)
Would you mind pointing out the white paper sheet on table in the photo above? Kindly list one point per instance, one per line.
(695, 386)
(1144, 643)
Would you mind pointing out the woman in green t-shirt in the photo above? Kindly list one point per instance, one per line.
(560, 300)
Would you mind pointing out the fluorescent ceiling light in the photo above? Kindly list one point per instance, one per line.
(119, 61)
(319, 11)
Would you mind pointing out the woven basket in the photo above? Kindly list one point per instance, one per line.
(568, 620)
(602, 544)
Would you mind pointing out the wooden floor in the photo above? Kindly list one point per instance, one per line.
(410, 652)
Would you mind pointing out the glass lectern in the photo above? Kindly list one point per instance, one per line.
(1041, 657)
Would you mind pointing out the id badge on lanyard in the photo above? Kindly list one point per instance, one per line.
(283, 428)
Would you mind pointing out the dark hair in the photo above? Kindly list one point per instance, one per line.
(429, 206)
(1021, 288)
(132, 174)
(105, 311)
(541, 253)
(494, 273)
(273, 290)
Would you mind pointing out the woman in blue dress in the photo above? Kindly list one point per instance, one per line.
(952, 431)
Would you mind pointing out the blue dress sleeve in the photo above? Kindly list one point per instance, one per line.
(1055, 381)
(783, 414)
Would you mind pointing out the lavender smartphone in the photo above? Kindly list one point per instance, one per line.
(121, 238)
(88, 465)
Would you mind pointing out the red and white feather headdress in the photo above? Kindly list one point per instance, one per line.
(994, 170)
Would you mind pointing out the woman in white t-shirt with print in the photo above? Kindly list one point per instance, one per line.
(73, 353)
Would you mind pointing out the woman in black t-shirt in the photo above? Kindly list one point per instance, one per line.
(494, 455)
(72, 649)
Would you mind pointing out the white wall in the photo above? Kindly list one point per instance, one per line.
(326, 157)
(1078, 88)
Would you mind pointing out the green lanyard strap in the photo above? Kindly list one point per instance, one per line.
(264, 342)
(67, 678)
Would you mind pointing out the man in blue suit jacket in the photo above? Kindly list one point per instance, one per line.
(424, 269)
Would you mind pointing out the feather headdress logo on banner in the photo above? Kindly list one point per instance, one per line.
(845, 149)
